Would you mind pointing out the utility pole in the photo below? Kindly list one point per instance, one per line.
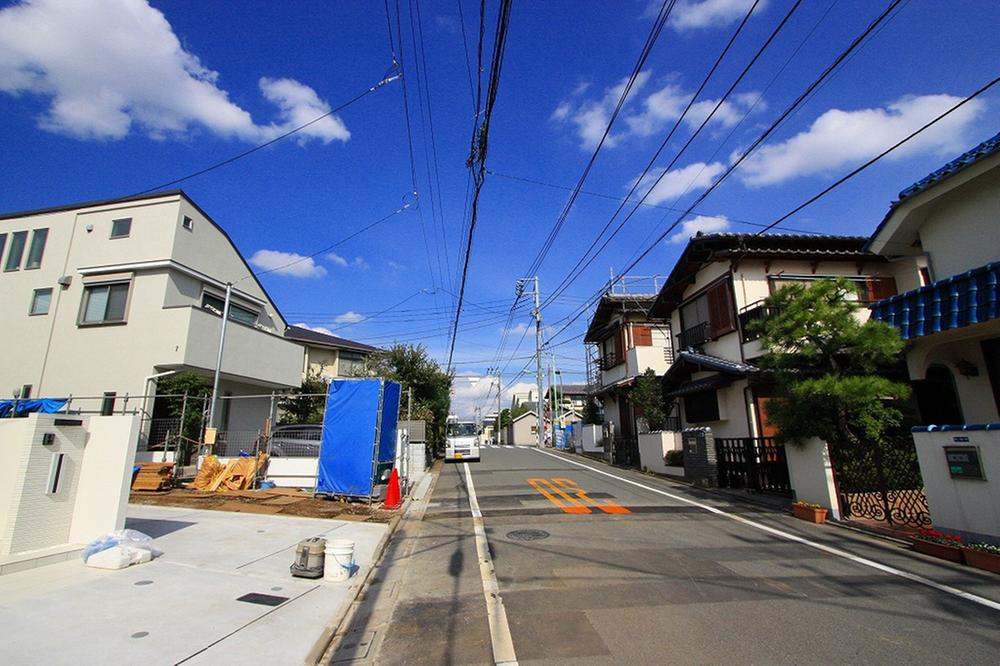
(218, 360)
(499, 398)
(537, 313)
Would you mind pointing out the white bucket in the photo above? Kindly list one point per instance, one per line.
(339, 563)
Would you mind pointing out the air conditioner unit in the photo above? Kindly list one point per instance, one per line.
(65, 281)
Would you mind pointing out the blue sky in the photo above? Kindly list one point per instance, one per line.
(102, 98)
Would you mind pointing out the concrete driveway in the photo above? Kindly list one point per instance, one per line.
(183, 607)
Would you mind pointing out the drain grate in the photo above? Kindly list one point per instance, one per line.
(262, 599)
(528, 535)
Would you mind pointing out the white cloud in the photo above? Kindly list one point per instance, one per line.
(395, 265)
(693, 14)
(590, 117)
(839, 138)
(704, 223)
(677, 182)
(337, 259)
(111, 66)
(287, 263)
(318, 329)
(359, 262)
(516, 329)
(349, 317)
(652, 113)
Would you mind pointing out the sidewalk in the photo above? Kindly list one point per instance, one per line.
(183, 607)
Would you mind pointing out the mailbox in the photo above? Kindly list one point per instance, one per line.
(963, 462)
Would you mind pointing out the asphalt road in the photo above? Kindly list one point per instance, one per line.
(595, 569)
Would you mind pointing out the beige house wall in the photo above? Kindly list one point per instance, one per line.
(166, 328)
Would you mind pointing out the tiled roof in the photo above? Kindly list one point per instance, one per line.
(963, 161)
(315, 337)
(717, 363)
(705, 248)
(983, 150)
(611, 303)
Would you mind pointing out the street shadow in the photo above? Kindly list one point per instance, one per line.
(156, 527)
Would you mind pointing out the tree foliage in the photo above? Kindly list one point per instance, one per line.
(198, 389)
(829, 366)
(308, 409)
(592, 412)
(648, 397)
(413, 368)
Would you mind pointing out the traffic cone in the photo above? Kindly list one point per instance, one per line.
(392, 498)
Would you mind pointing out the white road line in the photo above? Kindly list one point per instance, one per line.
(503, 643)
(968, 596)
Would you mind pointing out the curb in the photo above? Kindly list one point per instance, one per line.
(329, 632)
(326, 637)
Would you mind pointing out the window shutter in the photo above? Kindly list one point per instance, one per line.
(642, 336)
(881, 288)
(720, 310)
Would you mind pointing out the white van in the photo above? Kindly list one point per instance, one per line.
(462, 441)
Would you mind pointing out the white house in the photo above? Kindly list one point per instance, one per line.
(329, 356)
(102, 297)
(717, 287)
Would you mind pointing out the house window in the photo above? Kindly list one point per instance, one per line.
(104, 303)
(351, 364)
(642, 336)
(121, 228)
(25, 391)
(236, 312)
(708, 316)
(3, 243)
(37, 248)
(17, 242)
(701, 407)
(108, 403)
(187, 223)
(41, 299)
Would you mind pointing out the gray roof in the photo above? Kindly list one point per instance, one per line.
(710, 362)
(312, 337)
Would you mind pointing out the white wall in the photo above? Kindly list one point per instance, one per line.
(948, 349)
(963, 506)
(811, 474)
(653, 446)
(105, 477)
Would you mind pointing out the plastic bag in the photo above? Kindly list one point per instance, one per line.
(126, 538)
(119, 557)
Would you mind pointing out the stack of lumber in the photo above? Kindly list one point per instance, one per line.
(154, 476)
(237, 474)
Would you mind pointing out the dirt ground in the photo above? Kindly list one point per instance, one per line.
(283, 501)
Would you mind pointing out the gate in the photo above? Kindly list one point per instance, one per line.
(754, 463)
(881, 482)
(625, 451)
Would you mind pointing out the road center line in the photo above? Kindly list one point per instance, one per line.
(503, 643)
(968, 596)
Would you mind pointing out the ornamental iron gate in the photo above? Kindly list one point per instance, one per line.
(754, 463)
(881, 482)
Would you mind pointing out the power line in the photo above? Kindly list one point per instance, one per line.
(647, 48)
(753, 146)
(388, 78)
(480, 144)
(584, 262)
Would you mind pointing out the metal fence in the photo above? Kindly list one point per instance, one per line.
(754, 463)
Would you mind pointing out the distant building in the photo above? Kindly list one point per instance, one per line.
(328, 356)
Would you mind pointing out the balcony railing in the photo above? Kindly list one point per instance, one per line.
(694, 336)
(609, 361)
(961, 300)
(754, 312)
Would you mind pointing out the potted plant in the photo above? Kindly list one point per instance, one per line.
(931, 542)
(814, 513)
(982, 556)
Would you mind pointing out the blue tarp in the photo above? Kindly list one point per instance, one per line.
(351, 434)
(42, 406)
(390, 415)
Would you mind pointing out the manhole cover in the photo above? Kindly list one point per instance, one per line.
(262, 599)
(527, 535)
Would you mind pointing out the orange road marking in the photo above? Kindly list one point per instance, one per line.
(607, 507)
(572, 507)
